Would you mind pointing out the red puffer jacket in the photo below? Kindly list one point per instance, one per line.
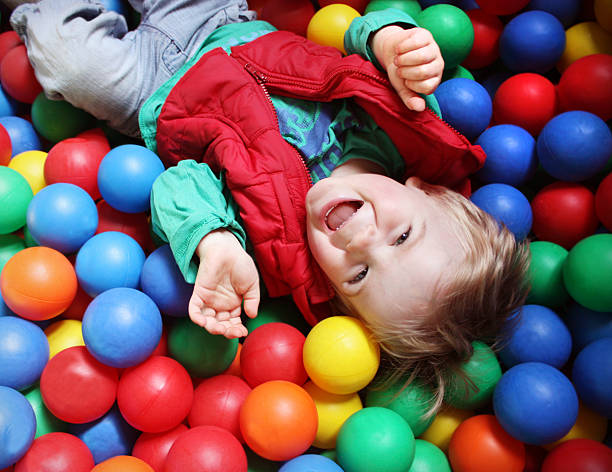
(220, 113)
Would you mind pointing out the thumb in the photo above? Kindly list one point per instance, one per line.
(251, 301)
(412, 100)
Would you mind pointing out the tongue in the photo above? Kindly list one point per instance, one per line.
(341, 213)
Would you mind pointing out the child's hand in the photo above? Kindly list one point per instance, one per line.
(226, 277)
(412, 60)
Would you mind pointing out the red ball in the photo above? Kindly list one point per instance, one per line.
(6, 147)
(8, 40)
(77, 388)
(564, 213)
(162, 347)
(217, 402)
(56, 452)
(501, 7)
(153, 448)
(156, 395)
(135, 225)
(77, 308)
(289, 15)
(603, 202)
(487, 31)
(359, 5)
(17, 75)
(273, 351)
(534, 456)
(76, 161)
(208, 448)
(527, 100)
(579, 454)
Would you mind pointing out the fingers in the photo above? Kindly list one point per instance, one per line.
(413, 39)
(251, 302)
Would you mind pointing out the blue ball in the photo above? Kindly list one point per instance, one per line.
(465, 105)
(126, 175)
(492, 82)
(22, 133)
(507, 205)
(108, 436)
(535, 403)
(511, 155)
(592, 376)
(62, 216)
(108, 260)
(566, 11)
(8, 105)
(24, 352)
(532, 42)
(538, 336)
(162, 280)
(310, 463)
(4, 309)
(17, 426)
(587, 325)
(122, 327)
(574, 146)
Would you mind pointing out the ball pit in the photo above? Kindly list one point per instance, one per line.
(592, 376)
(6, 148)
(328, 25)
(153, 448)
(501, 7)
(546, 274)
(289, 15)
(311, 462)
(56, 452)
(31, 165)
(124, 464)
(135, 225)
(584, 39)
(21, 133)
(63, 334)
(45, 421)
(56, 120)
(15, 196)
(487, 31)
(17, 426)
(566, 11)
(17, 75)
(444, 426)
(603, 202)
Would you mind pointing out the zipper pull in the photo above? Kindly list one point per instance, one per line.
(255, 73)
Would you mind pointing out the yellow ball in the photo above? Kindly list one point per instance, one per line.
(328, 25)
(603, 14)
(589, 425)
(584, 39)
(333, 410)
(444, 425)
(340, 355)
(31, 164)
(64, 334)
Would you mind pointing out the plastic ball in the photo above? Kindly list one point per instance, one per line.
(109, 260)
(429, 458)
(217, 402)
(487, 31)
(135, 225)
(546, 274)
(24, 352)
(31, 165)
(445, 423)
(15, 196)
(17, 75)
(57, 119)
(310, 462)
(288, 15)
(282, 310)
(587, 325)
(603, 13)
(153, 448)
(480, 444)
(126, 175)
(589, 425)
(45, 421)
(273, 352)
(6, 148)
(38, 283)
(332, 411)
(340, 355)
(8, 40)
(603, 202)
(566, 11)
(535, 403)
(64, 334)
(76, 387)
(10, 244)
(578, 454)
(62, 216)
(121, 327)
(155, 395)
(574, 146)
(328, 25)
(17, 426)
(201, 353)
(532, 41)
(511, 155)
(77, 308)
(507, 205)
(21, 133)
(124, 464)
(76, 161)
(278, 420)
(527, 100)
(56, 452)
(458, 72)
(162, 280)
(358, 5)
(584, 39)
(452, 29)
(465, 105)
(412, 7)
(592, 376)
(375, 439)
(501, 7)
(587, 272)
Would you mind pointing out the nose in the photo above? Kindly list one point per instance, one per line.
(361, 239)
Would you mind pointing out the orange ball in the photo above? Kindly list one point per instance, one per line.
(278, 420)
(123, 464)
(38, 283)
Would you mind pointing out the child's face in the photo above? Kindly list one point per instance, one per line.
(384, 245)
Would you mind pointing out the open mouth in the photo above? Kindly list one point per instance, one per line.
(339, 214)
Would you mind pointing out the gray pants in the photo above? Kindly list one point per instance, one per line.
(85, 55)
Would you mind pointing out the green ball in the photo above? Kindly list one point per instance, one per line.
(28, 238)
(452, 29)
(45, 421)
(412, 7)
(375, 439)
(587, 272)
(483, 370)
(458, 72)
(330, 454)
(428, 458)
(411, 402)
(201, 353)
(277, 310)
(15, 196)
(56, 120)
(10, 244)
(546, 274)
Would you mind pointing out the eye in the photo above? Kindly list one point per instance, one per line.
(360, 276)
(403, 237)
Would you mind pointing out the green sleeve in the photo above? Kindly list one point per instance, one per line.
(187, 202)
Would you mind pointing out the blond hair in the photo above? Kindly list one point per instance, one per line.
(483, 293)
